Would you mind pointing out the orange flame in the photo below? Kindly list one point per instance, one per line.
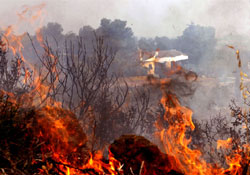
(175, 142)
(61, 135)
(224, 143)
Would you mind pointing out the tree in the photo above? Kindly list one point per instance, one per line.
(82, 83)
(15, 76)
(117, 34)
(197, 42)
(165, 43)
(53, 32)
(147, 44)
(87, 33)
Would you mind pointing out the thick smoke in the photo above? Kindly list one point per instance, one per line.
(147, 18)
(214, 63)
(200, 29)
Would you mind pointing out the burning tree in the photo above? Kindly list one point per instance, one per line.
(81, 81)
(55, 118)
(54, 137)
(14, 77)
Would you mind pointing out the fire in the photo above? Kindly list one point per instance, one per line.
(59, 130)
(64, 140)
(224, 143)
(234, 165)
(174, 140)
(31, 16)
(234, 160)
(188, 161)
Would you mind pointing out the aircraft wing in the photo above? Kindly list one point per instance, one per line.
(169, 59)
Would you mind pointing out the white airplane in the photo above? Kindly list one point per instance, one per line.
(160, 57)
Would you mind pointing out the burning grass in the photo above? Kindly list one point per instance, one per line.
(47, 140)
(52, 119)
(40, 137)
(50, 140)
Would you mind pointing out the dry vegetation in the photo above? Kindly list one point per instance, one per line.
(97, 107)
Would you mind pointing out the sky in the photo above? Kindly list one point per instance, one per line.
(147, 18)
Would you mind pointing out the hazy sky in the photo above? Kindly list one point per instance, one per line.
(147, 18)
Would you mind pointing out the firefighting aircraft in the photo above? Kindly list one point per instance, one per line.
(164, 57)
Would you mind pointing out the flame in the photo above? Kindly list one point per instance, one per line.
(175, 142)
(63, 137)
(68, 171)
(33, 16)
(65, 140)
(234, 165)
(224, 143)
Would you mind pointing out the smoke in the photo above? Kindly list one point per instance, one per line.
(231, 16)
(150, 18)
(226, 16)
(147, 18)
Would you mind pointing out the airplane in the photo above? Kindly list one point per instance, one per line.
(163, 57)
